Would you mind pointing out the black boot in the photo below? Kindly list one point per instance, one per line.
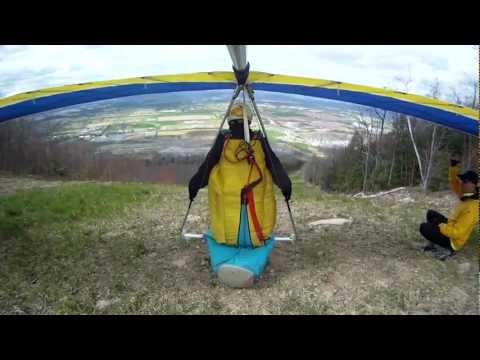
(445, 254)
(429, 247)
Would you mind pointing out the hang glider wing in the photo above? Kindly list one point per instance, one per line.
(454, 116)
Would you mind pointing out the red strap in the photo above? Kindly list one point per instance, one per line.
(253, 213)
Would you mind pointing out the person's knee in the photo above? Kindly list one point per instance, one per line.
(424, 229)
(431, 215)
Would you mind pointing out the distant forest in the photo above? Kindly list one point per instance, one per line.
(26, 148)
(374, 160)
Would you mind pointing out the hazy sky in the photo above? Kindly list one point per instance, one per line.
(25, 68)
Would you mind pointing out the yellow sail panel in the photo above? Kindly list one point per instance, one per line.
(193, 77)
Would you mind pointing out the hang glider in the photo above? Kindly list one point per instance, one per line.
(454, 116)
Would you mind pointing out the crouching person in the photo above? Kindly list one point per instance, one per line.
(453, 232)
(242, 206)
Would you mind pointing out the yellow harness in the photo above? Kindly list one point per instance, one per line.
(230, 185)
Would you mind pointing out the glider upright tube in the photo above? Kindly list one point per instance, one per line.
(238, 53)
(241, 68)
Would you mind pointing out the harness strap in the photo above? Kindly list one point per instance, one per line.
(253, 212)
(248, 197)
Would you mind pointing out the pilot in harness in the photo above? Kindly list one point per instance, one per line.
(240, 170)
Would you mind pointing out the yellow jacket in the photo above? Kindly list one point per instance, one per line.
(464, 216)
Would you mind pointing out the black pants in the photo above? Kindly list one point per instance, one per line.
(431, 231)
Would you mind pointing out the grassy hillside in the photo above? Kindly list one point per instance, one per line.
(113, 248)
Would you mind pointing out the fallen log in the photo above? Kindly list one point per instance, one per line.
(363, 196)
(332, 221)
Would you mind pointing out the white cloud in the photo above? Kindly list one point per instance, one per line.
(25, 68)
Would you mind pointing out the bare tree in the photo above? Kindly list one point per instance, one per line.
(474, 88)
(392, 163)
(378, 137)
(435, 93)
(430, 156)
(366, 126)
(455, 96)
(406, 81)
(425, 166)
(419, 160)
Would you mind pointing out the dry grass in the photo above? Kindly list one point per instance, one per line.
(10, 184)
(135, 263)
